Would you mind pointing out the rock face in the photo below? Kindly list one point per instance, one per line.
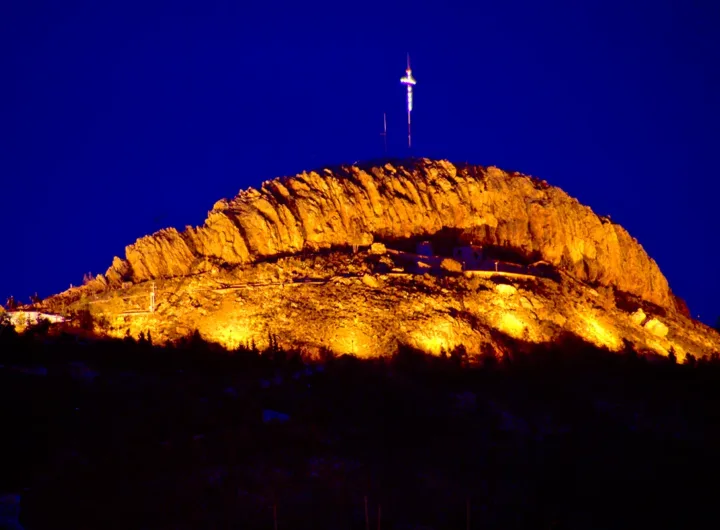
(357, 205)
(367, 295)
(368, 305)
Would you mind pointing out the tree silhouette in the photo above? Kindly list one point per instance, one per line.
(84, 319)
(7, 330)
(11, 304)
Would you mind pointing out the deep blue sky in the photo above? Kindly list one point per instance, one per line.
(119, 118)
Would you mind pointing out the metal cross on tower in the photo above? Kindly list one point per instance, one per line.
(409, 81)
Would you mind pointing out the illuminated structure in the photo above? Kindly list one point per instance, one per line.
(409, 81)
(152, 298)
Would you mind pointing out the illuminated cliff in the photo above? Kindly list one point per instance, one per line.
(292, 263)
(354, 205)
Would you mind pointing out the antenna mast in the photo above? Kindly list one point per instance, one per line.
(384, 133)
(409, 82)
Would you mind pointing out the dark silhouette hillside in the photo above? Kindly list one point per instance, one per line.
(124, 434)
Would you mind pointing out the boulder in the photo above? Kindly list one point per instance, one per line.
(451, 265)
(378, 249)
(505, 289)
(638, 317)
(370, 281)
(656, 327)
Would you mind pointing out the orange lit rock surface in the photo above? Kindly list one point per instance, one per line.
(280, 263)
(355, 205)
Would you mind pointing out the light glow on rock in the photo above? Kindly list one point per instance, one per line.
(434, 337)
(350, 339)
(595, 332)
(511, 324)
(233, 334)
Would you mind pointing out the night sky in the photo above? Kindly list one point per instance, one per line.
(120, 118)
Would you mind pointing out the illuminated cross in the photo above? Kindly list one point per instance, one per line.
(409, 81)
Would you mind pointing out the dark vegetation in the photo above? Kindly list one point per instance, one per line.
(630, 303)
(123, 434)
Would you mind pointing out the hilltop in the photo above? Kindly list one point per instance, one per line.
(363, 258)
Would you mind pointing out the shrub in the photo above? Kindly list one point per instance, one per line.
(11, 304)
(451, 265)
(5, 323)
(83, 319)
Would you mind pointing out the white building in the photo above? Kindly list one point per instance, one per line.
(21, 319)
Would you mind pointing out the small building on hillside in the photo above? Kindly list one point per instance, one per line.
(424, 248)
(21, 319)
(471, 256)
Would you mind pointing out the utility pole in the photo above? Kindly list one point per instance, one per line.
(384, 133)
(152, 298)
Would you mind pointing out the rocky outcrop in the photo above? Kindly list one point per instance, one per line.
(356, 205)
(370, 304)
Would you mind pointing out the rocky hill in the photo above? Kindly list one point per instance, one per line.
(293, 262)
(355, 205)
